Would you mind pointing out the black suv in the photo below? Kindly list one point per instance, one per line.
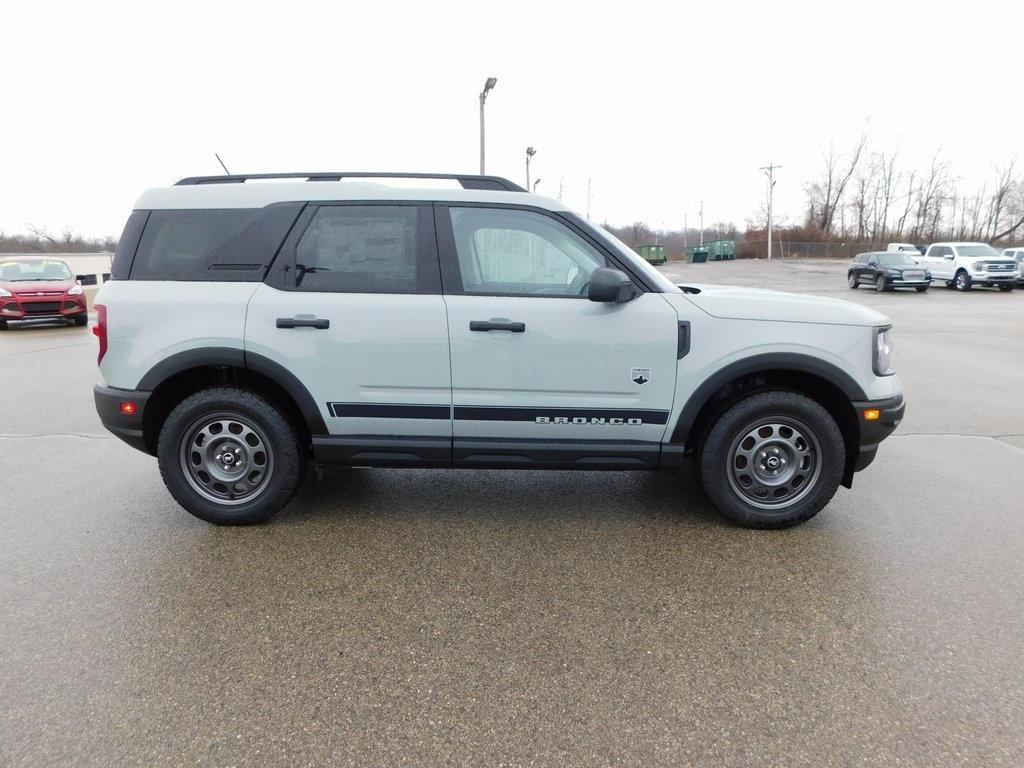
(887, 270)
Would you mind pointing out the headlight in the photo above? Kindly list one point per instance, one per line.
(882, 358)
(75, 291)
(978, 267)
(4, 292)
(895, 272)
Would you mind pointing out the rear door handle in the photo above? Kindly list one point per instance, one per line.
(303, 322)
(496, 325)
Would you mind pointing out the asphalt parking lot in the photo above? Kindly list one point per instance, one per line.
(394, 617)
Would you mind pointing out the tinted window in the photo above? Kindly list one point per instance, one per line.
(502, 251)
(366, 249)
(178, 244)
(225, 244)
(126, 245)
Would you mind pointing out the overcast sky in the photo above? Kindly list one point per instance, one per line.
(661, 104)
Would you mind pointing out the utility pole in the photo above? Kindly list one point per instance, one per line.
(702, 222)
(530, 152)
(685, 227)
(769, 171)
(590, 185)
(488, 85)
(561, 183)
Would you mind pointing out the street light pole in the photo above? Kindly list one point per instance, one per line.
(488, 85)
(535, 183)
(769, 171)
(530, 152)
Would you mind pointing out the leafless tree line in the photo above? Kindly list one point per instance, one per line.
(40, 240)
(865, 195)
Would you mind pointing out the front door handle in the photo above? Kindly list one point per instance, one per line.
(303, 322)
(496, 325)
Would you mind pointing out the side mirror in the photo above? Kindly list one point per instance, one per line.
(611, 286)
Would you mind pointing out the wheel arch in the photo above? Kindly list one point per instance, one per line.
(820, 380)
(180, 375)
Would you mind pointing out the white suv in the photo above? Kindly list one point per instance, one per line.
(249, 327)
(965, 265)
(1017, 255)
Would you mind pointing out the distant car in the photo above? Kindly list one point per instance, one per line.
(38, 288)
(965, 265)
(1017, 254)
(887, 270)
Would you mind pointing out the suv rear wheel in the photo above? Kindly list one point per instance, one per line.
(772, 460)
(229, 456)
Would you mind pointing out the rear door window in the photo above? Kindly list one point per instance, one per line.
(367, 249)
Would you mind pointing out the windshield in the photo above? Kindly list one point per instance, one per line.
(978, 251)
(24, 271)
(896, 260)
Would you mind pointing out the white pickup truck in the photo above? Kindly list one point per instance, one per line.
(965, 265)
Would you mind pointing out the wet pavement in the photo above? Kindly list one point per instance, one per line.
(392, 617)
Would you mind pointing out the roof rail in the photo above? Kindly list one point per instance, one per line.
(467, 181)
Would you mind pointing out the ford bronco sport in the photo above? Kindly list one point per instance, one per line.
(251, 327)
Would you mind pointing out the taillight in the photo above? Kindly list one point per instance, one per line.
(100, 331)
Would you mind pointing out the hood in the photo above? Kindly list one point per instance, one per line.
(20, 287)
(729, 302)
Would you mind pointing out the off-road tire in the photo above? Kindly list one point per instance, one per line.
(717, 460)
(281, 436)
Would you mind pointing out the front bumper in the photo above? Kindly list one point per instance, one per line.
(909, 283)
(873, 432)
(989, 279)
(42, 307)
(128, 427)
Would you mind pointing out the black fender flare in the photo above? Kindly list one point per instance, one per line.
(762, 363)
(237, 358)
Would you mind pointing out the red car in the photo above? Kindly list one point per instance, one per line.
(38, 288)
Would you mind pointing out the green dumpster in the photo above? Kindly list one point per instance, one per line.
(715, 250)
(697, 254)
(655, 254)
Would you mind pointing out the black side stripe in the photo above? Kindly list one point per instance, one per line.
(487, 413)
(389, 411)
(491, 413)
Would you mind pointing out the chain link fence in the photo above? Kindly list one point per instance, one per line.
(783, 249)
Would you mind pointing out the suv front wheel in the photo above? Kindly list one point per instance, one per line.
(229, 456)
(772, 460)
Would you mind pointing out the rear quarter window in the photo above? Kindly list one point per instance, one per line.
(212, 244)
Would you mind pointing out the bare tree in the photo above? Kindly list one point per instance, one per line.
(826, 195)
(930, 195)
